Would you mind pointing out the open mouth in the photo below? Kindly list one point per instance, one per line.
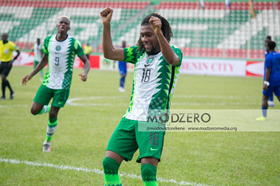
(148, 47)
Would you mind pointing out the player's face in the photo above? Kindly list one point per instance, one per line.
(4, 37)
(266, 41)
(149, 40)
(63, 25)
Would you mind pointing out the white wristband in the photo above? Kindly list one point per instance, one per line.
(266, 83)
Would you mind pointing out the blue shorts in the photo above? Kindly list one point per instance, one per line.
(123, 71)
(272, 89)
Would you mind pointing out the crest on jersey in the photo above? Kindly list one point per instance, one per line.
(149, 61)
(58, 48)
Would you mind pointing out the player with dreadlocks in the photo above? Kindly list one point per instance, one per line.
(156, 72)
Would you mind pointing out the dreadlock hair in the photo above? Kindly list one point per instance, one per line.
(165, 28)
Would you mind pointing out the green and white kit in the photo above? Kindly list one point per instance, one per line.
(61, 56)
(153, 86)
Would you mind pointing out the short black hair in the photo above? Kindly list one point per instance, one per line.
(165, 28)
(268, 37)
(271, 45)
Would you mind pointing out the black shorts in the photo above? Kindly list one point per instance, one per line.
(5, 69)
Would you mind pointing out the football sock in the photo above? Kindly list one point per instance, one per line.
(270, 98)
(264, 111)
(51, 128)
(149, 175)
(111, 175)
(122, 80)
(9, 86)
(45, 109)
(3, 88)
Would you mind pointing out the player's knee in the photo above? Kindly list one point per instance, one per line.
(53, 114)
(106, 163)
(34, 111)
(147, 170)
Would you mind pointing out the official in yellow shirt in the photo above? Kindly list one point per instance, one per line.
(6, 57)
(87, 50)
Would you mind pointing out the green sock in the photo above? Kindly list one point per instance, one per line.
(45, 109)
(111, 175)
(51, 128)
(149, 175)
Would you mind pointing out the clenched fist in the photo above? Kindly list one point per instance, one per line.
(155, 24)
(106, 15)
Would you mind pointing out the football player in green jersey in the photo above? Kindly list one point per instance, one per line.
(59, 52)
(156, 71)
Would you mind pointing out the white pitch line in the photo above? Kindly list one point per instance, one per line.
(2, 106)
(97, 171)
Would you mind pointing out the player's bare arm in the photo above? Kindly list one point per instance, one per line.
(86, 68)
(108, 49)
(267, 76)
(11, 62)
(31, 52)
(39, 67)
(166, 49)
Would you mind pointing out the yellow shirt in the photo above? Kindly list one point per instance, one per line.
(6, 51)
(87, 49)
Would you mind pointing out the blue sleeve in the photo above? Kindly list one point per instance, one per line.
(268, 63)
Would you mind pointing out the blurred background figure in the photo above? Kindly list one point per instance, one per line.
(38, 54)
(122, 70)
(87, 50)
(6, 57)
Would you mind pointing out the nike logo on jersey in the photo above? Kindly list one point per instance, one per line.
(153, 149)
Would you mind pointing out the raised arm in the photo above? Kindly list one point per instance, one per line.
(39, 67)
(108, 49)
(86, 68)
(166, 49)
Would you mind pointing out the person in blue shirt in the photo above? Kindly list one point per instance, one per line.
(270, 98)
(122, 70)
(271, 77)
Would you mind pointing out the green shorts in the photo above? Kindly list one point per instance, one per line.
(126, 139)
(45, 94)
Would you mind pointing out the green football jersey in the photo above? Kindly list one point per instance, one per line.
(61, 59)
(154, 82)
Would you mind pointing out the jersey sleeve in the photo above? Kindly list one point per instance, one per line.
(46, 45)
(130, 54)
(13, 46)
(78, 48)
(179, 53)
(268, 63)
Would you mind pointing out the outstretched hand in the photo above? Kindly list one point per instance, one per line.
(155, 23)
(25, 79)
(106, 15)
(83, 77)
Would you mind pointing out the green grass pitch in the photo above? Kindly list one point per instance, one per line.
(194, 158)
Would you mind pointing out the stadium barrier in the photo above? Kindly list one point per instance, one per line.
(217, 67)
